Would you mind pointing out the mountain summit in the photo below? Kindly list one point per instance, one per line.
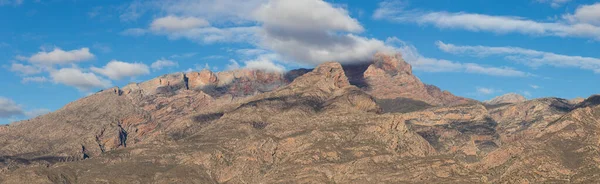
(509, 98)
(390, 77)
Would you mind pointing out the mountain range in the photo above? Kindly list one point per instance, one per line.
(361, 123)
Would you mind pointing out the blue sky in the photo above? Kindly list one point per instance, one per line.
(53, 52)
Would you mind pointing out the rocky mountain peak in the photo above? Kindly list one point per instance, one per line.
(327, 75)
(508, 98)
(201, 79)
(389, 76)
(391, 63)
(593, 100)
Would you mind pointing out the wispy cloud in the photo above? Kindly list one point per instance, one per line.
(11, 2)
(212, 57)
(421, 63)
(529, 57)
(134, 32)
(163, 63)
(486, 91)
(95, 11)
(34, 79)
(585, 25)
(554, 3)
(534, 86)
(25, 70)
(174, 23)
(185, 55)
(102, 47)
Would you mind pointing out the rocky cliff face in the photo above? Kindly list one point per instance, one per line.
(326, 125)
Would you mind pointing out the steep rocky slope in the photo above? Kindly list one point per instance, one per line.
(332, 124)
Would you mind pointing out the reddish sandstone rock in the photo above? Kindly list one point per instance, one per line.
(390, 77)
(198, 80)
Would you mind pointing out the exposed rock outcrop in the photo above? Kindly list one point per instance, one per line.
(202, 79)
(390, 77)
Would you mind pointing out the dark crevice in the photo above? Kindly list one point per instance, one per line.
(122, 136)
(99, 140)
(207, 118)
(355, 74)
(478, 128)
(44, 159)
(259, 125)
(292, 75)
(432, 137)
(84, 152)
(289, 102)
(401, 105)
(215, 91)
(186, 82)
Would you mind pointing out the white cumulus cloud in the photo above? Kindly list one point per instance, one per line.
(586, 14)
(59, 56)
(117, 70)
(163, 63)
(328, 34)
(83, 81)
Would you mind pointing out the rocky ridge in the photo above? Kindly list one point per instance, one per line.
(326, 125)
(509, 98)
